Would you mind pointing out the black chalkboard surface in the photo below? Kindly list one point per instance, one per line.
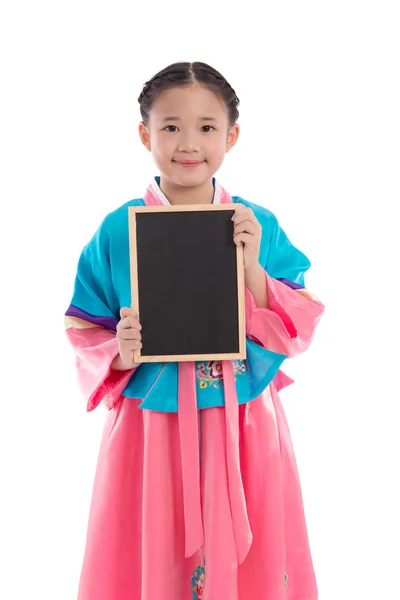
(187, 282)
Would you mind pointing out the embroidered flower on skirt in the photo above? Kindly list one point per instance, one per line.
(210, 373)
(197, 583)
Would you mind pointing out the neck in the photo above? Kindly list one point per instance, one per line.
(178, 194)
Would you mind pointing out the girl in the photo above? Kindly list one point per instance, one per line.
(177, 514)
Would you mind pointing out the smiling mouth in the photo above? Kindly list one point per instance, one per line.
(188, 163)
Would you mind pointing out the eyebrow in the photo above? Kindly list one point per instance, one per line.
(166, 119)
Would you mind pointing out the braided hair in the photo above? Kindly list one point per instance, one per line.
(184, 74)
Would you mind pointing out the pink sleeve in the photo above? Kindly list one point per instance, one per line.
(95, 349)
(288, 325)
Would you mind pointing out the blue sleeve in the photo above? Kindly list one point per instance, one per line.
(94, 293)
(284, 260)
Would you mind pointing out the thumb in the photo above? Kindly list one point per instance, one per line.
(126, 312)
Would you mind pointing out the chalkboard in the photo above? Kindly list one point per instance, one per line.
(187, 282)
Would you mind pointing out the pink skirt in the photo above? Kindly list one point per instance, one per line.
(135, 547)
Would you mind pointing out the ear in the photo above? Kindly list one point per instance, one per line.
(232, 137)
(144, 136)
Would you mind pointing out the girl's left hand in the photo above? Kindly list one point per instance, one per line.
(247, 230)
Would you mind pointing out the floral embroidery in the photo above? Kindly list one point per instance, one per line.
(286, 580)
(197, 583)
(210, 373)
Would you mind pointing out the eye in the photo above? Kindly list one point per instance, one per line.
(208, 128)
(171, 128)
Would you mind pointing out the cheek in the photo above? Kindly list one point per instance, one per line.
(164, 146)
(217, 147)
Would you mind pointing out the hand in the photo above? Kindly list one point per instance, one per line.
(247, 231)
(128, 337)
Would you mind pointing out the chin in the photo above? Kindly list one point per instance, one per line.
(193, 181)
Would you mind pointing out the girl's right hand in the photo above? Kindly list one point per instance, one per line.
(128, 337)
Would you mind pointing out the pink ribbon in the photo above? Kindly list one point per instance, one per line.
(189, 439)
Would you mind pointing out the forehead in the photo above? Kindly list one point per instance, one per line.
(190, 101)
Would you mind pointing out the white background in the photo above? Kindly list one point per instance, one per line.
(319, 90)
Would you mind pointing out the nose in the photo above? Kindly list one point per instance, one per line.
(188, 143)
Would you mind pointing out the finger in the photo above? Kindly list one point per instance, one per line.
(248, 218)
(128, 345)
(128, 312)
(242, 214)
(246, 226)
(245, 238)
(129, 322)
(129, 334)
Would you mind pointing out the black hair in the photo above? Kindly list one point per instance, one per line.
(184, 74)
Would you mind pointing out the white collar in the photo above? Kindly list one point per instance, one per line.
(161, 196)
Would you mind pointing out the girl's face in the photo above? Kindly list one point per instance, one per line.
(188, 134)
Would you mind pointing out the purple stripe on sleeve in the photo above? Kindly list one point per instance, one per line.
(106, 322)
(291, 284)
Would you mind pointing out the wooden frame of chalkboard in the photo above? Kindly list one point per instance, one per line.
(157, 241)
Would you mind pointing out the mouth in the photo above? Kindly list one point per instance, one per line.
(188, 164)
